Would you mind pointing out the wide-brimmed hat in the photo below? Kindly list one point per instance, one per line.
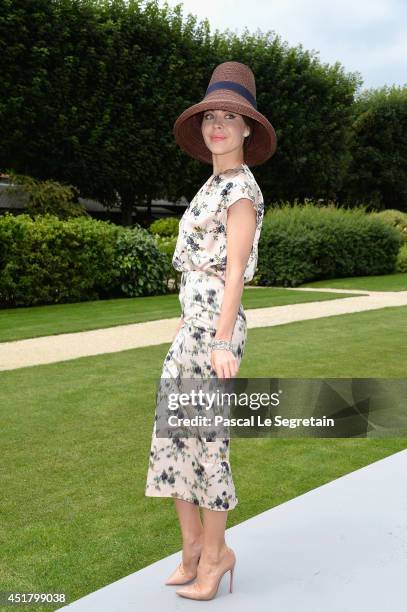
(232, 87)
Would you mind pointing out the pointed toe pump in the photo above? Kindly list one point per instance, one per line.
(209, 588)
(180, 576)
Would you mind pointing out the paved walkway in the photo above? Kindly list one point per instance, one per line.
(339, 547)
(63, 347)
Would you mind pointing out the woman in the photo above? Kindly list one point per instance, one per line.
(216, 251)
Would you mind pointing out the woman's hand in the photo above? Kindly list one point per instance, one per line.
(224, 363)
(179, 325)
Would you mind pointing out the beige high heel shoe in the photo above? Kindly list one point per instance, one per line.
(179, 576)
(196, 591)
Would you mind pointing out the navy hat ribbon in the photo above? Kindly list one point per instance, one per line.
(240, 89)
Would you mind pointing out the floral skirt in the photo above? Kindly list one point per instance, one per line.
(195, 469)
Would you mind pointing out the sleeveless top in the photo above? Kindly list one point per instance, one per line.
(201, 243)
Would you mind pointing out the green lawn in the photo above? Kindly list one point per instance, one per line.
(31, 322)
(388, 282)
(76, 439)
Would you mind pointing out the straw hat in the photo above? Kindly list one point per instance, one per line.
(232, 87)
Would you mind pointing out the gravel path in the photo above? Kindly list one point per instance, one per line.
(63, 347)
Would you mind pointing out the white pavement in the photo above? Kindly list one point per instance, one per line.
(63, 347)
(340, 547)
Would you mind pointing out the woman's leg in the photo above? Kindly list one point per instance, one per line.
(214, 545)
(214, 552)
(192, 533)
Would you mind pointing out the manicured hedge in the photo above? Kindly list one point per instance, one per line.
(306, 243)
(47, 260)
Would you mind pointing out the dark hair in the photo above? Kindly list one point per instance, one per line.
(251, 123)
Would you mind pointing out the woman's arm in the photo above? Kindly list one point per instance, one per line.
(241, 228)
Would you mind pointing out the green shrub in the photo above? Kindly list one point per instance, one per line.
(47, 197)
(401, 263)
(305, 243)
(395, 217)
(142, 266)
(167, 246)
(167, 226)
(46, 260)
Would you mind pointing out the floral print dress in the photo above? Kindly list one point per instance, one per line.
(197, 469)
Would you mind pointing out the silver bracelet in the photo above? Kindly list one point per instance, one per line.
(222, 344)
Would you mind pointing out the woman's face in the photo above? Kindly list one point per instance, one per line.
(223, 131)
